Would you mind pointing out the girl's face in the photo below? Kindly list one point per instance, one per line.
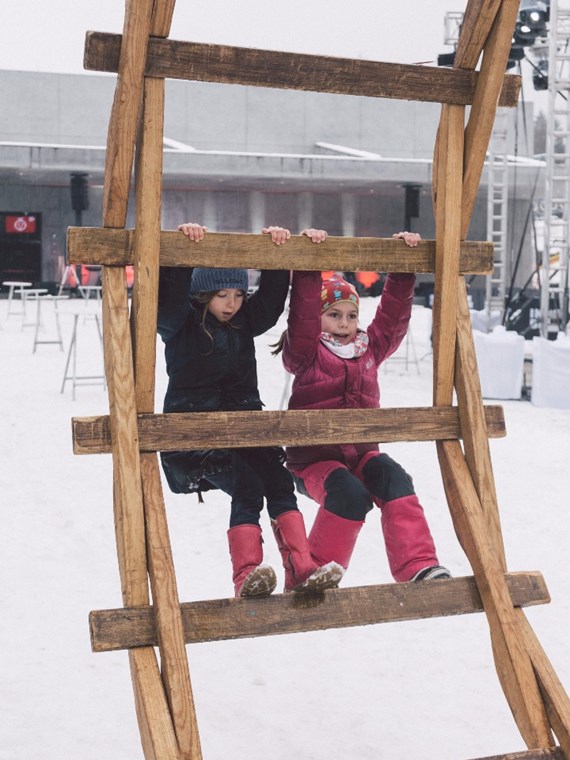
(226, 303)
(341, 321)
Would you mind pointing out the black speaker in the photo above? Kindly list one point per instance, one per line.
(79, 192)
(412, 201)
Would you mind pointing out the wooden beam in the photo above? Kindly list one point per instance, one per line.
(169, 625)
(235, 618)
(197, 62)
(512, 659)
(482, 114)
(146, 243)
(555, 698)
(114, 247)
(185, 431)
(551, 753)
(448, 170)
(473, 424)
(122, 131)
(129, 512)
(155, 722)
(475, 28)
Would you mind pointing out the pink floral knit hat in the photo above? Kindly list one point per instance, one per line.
(336, 290)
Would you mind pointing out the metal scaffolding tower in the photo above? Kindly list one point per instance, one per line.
(554, 274)
(497, 213)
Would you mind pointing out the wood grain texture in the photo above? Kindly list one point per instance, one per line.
(235, 618)
(309, 427)
(475, 28)
(482, 114)
(146, 243)
(169, 626)
(555, 698)
(155, 723)
(550, 753)
(113, 247)
(473, 423)
(512, 659)
(129, 512)
(197, 62)
(449, 172)
(122, 131)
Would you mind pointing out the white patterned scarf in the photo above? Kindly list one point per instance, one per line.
(349, 351)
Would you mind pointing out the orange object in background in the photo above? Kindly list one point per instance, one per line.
(367, 279)
(327, 274)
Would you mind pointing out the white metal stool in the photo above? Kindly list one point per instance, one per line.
(52, 299)
(16, 287)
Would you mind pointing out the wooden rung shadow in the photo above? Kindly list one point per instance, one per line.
(185, 431)
(238, 618)
(114, 247)
(171, 59)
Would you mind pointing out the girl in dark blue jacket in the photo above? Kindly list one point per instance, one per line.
(208, 326)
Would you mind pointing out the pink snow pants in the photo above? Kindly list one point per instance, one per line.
(407, 537)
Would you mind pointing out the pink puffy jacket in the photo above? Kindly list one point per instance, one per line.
(323, 380)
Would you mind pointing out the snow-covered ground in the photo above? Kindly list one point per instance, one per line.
(389, 691)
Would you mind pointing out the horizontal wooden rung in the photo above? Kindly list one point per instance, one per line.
(114, 247)
(549, 753)
(186, 431)
(221, 619)
(171, 59)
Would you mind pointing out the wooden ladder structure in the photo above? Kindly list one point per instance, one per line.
(143, 57)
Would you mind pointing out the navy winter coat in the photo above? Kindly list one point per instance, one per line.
(211, 369)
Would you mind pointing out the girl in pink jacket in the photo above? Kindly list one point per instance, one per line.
(335, 366)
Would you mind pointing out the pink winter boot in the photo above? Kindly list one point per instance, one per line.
(332, 538)
(302, 573)
(250, 576)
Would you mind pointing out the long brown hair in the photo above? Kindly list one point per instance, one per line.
(278, 347)
(204, 299)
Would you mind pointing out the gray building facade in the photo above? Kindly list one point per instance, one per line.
(235, 158)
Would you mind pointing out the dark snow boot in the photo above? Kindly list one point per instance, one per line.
(251, 577)
(302, 573)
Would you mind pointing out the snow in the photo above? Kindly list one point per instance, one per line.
(389, 691)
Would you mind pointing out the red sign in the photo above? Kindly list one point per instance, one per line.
(19, 224)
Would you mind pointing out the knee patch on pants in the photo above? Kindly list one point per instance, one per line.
(387, 479)
(346, 496)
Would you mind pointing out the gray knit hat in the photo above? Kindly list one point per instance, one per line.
(212, 280)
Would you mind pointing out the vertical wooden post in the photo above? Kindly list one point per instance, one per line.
(449, 177)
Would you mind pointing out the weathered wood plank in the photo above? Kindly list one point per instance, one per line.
(235, 618)
(153, 713)
(482, 114)
(309, 427)
(169, 625)
(475, 28)
(551, 753)
(114, 247)
(512, 658)
(128, 502)
(146, 243)
(122, 131)
(295, 71)
(449, 173)
(555, 697)
(473, 424)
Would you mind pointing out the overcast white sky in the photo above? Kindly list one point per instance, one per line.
(48, 35)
